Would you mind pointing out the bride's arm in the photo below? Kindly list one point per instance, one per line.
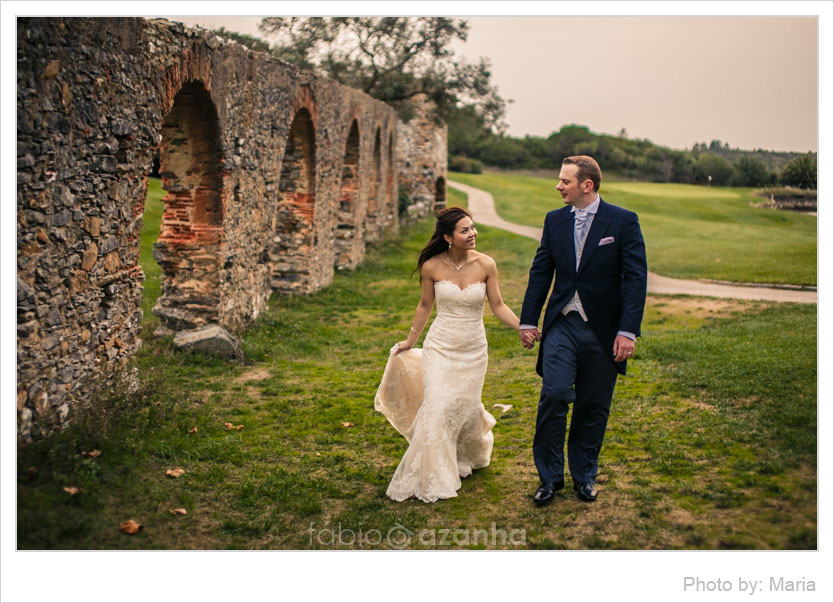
(424, 308)
(496, 303)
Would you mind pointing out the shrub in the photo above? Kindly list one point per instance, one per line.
(752, 172)
(403, 201)
(801, 172)
(713, 168)
(465, 165)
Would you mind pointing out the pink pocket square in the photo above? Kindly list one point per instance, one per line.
(605, 241)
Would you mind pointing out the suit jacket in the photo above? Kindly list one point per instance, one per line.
(611, 278)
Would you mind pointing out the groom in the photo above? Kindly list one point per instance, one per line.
(596, 252)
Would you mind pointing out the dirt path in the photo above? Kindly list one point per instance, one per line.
(482, 208)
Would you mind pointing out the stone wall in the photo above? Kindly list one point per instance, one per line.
(273, 177)
(421, 155)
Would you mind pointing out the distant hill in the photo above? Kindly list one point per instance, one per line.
(775, 160)
(471, 147)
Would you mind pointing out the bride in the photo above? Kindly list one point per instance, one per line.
(433, 396)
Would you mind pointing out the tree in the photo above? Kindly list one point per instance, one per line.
(751, 172)
(659, 165)
(506, 152)
(683, 169)
(467, 131)
(250, 42)
(568, 141)
(719, 169)
(392, 59)
(801, 171)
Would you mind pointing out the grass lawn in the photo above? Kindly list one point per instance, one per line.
(149, 234)
(702, 450)
(690, 231)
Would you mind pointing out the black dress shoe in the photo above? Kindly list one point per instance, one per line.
(546, 491)
(586, 492)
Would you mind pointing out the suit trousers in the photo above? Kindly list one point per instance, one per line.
(576, 370)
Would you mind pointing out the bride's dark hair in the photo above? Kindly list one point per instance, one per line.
(446, 221)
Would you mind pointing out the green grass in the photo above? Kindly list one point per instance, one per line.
(690, 231)
(711, 442)
(150, 233)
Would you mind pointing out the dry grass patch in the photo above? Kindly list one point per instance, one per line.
(255, 374)
(698, 404)
(699, 307)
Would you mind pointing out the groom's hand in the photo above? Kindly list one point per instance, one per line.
(529, 337)
(623, 348)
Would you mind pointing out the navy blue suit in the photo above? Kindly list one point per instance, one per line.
(576, 358)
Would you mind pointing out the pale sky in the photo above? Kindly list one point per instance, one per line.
(749, 81)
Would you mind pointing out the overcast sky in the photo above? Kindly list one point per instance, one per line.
(748, 81)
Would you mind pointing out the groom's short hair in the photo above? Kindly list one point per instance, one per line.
(587, 169)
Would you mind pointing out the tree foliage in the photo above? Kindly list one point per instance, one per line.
(249, 41)
(801, 171)
(752, 172)
(715, 163)
(392, 59)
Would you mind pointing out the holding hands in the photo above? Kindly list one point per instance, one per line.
(529, 337)
(623, 346)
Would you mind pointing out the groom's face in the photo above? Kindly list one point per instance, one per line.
(569, 186)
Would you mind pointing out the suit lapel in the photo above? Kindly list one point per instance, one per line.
(597, 230)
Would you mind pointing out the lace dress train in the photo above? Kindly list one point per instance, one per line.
(433, 397)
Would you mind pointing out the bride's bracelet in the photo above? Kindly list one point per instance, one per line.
(413, 331)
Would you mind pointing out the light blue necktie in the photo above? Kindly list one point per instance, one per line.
(580, 231)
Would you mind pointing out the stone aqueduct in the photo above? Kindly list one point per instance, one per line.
(273, 178)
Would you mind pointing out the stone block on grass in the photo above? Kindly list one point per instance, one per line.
(211, 339)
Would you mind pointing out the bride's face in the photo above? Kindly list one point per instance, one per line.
(465, 234)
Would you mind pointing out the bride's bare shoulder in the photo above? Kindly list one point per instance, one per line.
(431, 263)
(483, 258)
(430, 267)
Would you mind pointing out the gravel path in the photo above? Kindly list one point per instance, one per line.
(482, 208)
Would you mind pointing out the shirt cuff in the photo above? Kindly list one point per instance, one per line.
(631, 336)
(522, 327)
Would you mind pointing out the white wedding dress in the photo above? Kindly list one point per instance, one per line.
(433, 397)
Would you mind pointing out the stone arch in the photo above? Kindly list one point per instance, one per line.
(191, 231)
(292, 226)
(348, 199)
(440, 193)
(372, 216)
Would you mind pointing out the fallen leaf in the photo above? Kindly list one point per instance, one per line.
(92, 454)
(174, 472)
(178, 511)
(72, 490)
(318, 454)
(193, 430)
(239, 427)
(232, 426)
(130, 527)
(346, 424)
